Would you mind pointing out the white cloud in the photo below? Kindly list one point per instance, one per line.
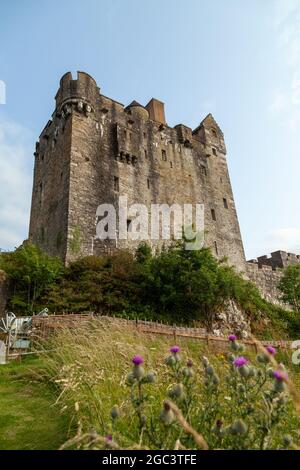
(15, 183)
(287, 239)
(284, 9)
(285, 102)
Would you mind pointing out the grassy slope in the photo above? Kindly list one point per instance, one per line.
(28, 419)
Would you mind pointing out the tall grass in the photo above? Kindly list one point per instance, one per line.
(89, 366)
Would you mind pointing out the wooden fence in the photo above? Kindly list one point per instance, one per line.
(43, 327)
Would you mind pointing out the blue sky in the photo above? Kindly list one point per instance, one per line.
(238, 59)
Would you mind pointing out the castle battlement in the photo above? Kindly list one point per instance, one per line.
(278, 260)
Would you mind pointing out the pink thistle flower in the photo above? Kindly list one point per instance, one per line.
(137, 360)
(240, 362)
(109, 438)
(271, 350)
(175, 349)
(279, 376)
(232, 338)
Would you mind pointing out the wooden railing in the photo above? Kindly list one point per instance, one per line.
(43, 327)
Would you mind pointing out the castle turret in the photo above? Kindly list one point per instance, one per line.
(82, 92)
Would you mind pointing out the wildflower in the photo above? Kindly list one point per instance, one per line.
(232, 338)
(271, 350)
(167, 415)
(109, 438)
(175, 349)
(278, 375)
(240, 361)
(137, 360)
(138, 371)
(279, 385)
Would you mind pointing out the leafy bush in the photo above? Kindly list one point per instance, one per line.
(175, 286)
(290, 286)
(30, 271)
(167, 401)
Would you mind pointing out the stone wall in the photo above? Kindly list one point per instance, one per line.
(266, 279)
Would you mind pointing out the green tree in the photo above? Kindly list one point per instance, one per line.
(30, 272)
(289, 285)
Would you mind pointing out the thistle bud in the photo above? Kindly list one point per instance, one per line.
(150, 378)
(138, 372)
(231, 358)
(262, 358)
(279, 386)
(239, 427)
(187, 372)
(176, 391)
(215, 379)
(210, 370)
(115, 412)
(170, 361)
(205, 361)
(235, 346)
(287, 440)
(167, 415)
(130, 378)
(252, 372)
(244, 371)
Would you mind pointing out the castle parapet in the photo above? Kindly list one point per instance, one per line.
(278, 260)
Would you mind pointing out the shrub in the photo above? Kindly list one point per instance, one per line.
(30, 272)
(290, 286)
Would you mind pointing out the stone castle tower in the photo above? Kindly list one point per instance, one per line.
(94, 149)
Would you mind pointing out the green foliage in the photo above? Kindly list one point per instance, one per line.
(30, 271)
(103, 284)
(175, 286)
(290, 286)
